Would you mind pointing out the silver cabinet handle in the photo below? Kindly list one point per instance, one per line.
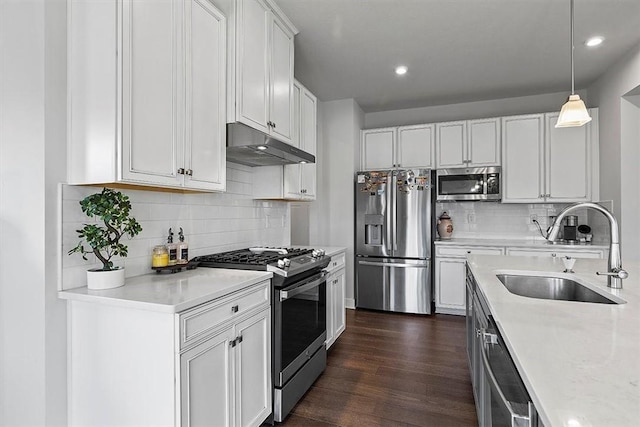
(234, 309)
(517, 419)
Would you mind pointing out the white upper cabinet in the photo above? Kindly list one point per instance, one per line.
(451, 144)
(152, 113)
(295, 181)
(522, 158)
(397, 147)
(264, 55)
(483, 142)
(416, 146)
(471, 143)
(378, 148)
(545, 164)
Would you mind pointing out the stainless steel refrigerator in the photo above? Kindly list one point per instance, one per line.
(393, 240)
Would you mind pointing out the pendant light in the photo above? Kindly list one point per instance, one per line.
(573, 112)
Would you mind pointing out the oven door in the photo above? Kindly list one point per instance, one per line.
(300, 325)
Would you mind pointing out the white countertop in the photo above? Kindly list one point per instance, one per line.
(579, 361)
(527, 243)
(171, 292)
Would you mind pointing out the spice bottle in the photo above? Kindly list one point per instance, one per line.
(160, 256)
(172, 248)
(183, 249)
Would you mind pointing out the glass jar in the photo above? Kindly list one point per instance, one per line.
(160, 256)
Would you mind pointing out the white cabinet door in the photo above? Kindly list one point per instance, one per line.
(308, 142)
(206, 375)
(340, 313)
(523, 158)
(450, 285)
(483, 142)
(151, 136)
(281, 112)
(253, 370)
(252, 88)
(451, 144)
(330, 310)
(568, 162)
(297, 94)
(378, 147)
(416, 146)
(205, 88)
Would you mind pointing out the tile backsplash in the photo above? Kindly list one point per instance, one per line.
(212, 222)
(511, 221)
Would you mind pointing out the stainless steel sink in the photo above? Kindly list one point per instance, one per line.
(556, 288)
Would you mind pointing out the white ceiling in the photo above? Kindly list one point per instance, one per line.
(456, 50)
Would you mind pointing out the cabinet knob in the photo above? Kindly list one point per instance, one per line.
(239, 339)
(234, 309)
(233, 343)
(468, 252)
(273, 125)
(180, 171)
(553, 255)
(189, 172)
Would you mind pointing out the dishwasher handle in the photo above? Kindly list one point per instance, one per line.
(518, 419)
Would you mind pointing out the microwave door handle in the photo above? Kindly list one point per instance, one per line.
(287, 293)
(516, 418)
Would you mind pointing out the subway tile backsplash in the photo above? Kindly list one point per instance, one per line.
(212, 222)
(510, 221)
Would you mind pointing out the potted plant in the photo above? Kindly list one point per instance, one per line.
(112, 208)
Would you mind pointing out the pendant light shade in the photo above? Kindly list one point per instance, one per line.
(573, 112)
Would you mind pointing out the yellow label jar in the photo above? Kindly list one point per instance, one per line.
(160, 256)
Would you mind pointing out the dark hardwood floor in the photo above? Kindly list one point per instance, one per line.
(392, 370)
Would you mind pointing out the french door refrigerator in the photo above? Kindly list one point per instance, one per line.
(393, 240)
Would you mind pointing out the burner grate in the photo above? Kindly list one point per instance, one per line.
(248, 258)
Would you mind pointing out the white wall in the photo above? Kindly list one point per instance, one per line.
(470, 110)
(32, 325)
(619, 153)
(211, 223)
(332, 213)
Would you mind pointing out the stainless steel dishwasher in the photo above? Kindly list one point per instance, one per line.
(501, 396)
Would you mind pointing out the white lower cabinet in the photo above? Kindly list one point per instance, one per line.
(336, 309)
(450, 276)
(206, 366)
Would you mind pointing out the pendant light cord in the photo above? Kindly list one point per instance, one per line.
(572, 69)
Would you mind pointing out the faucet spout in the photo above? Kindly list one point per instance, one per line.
(615, 272)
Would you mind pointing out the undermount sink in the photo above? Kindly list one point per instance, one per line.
(556, 288)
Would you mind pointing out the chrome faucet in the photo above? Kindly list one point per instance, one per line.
(615, 272)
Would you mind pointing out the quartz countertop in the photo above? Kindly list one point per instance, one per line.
(579, 361)
(524, 243)
(171, 292)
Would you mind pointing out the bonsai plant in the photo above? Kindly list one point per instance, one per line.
(112, 208)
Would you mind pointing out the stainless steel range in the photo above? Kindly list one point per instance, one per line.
(298, 315)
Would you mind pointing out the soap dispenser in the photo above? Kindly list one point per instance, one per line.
(172, 248)
(183, 249)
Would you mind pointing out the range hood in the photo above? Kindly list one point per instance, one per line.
(251, 147)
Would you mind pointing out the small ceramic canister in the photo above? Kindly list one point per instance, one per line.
(445, 226)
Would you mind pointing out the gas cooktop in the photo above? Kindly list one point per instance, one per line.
(282, 261)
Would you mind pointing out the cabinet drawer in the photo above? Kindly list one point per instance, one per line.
(467, 250)
(337, 261)
(197, 322)
(556, 253)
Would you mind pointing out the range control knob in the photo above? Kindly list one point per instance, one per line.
(281, 263)
(287, 262)
(317, 253)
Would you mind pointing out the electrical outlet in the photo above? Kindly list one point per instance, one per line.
(533, 217)
(471, 218)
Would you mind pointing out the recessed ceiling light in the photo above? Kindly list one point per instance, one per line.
(594, 41)
(302, 162)
(401, 69)
(261, 147)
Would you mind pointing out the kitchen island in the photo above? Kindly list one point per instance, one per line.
(580, 362)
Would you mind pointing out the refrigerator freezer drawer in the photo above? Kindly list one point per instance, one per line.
(400, 285)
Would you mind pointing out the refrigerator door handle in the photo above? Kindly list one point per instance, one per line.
(394, 209)
(389, 264)
(387, 214)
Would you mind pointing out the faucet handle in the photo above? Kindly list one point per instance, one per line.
(615, 272)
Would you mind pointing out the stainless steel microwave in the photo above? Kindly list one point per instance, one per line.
(469, 184)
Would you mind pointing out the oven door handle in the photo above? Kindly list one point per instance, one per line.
(287, 293)
(517, 419)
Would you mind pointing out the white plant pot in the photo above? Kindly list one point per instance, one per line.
(100, 279)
